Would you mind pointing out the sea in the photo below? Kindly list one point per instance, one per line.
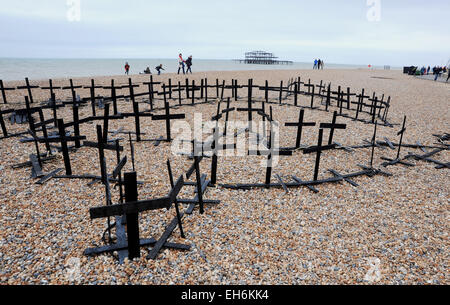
(40, 69)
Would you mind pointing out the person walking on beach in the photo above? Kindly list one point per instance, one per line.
(159, 68)
(180, 63)
(428, 70)
(189, 64)
(438, 73)
(127, 68)
(322, 64)
(448, 76)
(319, 63)
(315, 64)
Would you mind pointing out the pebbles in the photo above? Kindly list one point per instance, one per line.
(252, 237)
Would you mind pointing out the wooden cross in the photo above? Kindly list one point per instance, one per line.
(328, 100)
(397, 160)
(271, 151)
(51, 88)
(374, 141)
(92, 88)
(28, 87)
(214, 147)
(318, 149)
(102, 145)
(321, 88)
(72, 88)
(167, 117)
(3, 90)
(151, 92)
(281, 92)
(114, 95)
(131, 209)
(332, 127)
(63, 139)
(300, 126)
(135, 113)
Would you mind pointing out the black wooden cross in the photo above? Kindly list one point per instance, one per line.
(131, 208)
(135, 113)
(28, 87)
(281, 92)
(249, 109)
(300, 126)
(92, 88)
(76, 119)
(271, 151)
(114, 95)
(72, 88)
(102, 145)
(214, 147)
(321, 88)
(217, 88)
(167, 117)
(386, 109)
(193, 89)
(151, 91)
(63, 139)
(51, 88)
(318, 149)
(332, 127)
(3, 89)
(397, 160)
(179, 216)
(328, 100)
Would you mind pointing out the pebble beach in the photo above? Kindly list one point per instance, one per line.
(389, 230)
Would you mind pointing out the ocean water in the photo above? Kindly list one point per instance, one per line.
(37, 69)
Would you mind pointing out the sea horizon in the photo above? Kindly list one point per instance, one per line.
(15, 69)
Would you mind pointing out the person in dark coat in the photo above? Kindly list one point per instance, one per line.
(159, 68)
(189, 64)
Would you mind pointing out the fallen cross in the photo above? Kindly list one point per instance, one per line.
(397, 160)
(131, 209)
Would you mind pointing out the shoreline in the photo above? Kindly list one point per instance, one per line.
(196, 74)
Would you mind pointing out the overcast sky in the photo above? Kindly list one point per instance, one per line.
(339, 31)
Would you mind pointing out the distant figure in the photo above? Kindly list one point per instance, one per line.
(147, 71)
(159, 68)
(438, 73)
(319, 63)
(180, 63)
(428, 70)
(315, 64)
(189, 64)
(322, 65)
(127, 68)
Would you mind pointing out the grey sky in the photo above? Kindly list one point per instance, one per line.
(409, 32)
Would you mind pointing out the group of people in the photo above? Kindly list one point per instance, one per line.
(181, 66)
(318, 64)
(182, 63)
(437, 71)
